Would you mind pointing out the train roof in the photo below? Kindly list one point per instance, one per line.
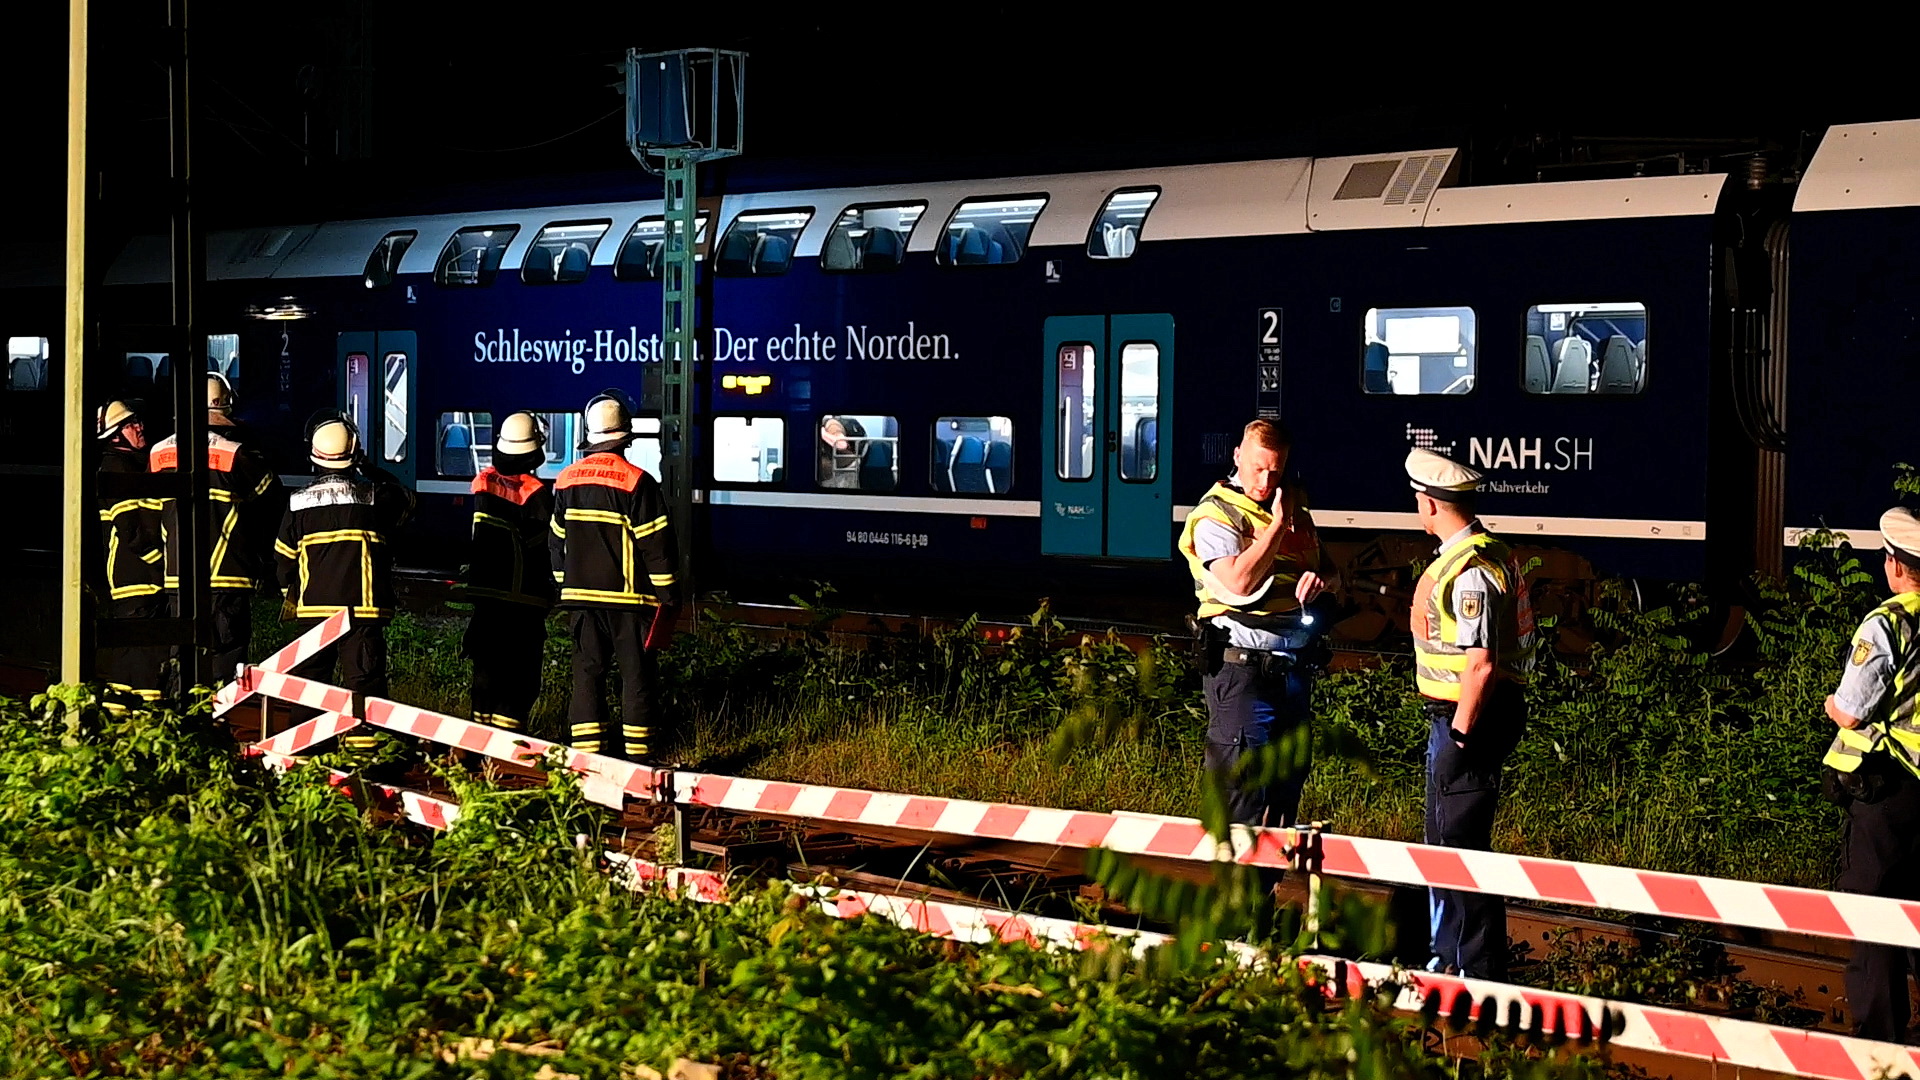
(1863, 166)
(1250, 198)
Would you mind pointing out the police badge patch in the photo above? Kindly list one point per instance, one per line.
(1470, 604)
(1860, 653)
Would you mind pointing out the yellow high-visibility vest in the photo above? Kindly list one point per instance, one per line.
(1897, 732)
(1438, 662)
(1298, 553)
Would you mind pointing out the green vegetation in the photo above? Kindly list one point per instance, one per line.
(170, 910)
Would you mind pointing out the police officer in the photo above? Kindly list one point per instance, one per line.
(1256, 564)
(132, 544)
(507, 577)
(247, 497)
(1875, 758)
(613, 555)
(1472, 624)
(334, 554)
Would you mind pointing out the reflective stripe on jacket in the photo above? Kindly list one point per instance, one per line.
(130, 529)
(511, 516)
(610, 542)
(1299, 549)
(1438, 662)
(1896, 728)
(332, 550)
(238, 481)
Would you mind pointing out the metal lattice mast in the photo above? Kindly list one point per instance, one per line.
(683, 107)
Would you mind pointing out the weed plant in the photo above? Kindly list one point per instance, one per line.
(170, 910)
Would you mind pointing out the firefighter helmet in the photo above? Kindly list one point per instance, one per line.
(111, 417)
(333, 441)
(220, 395)
(609, 416)
(520, 433)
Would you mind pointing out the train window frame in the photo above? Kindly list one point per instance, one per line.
(1096, 231)
(701, 221)
(840, 223)
(485, 270)
(1469, 333)
(721, 267)
(394, 450)
(1576, 309)
(940, 256)
(383, 262)
(994, 422)
(856, 467)
(17, 350)
(748, 419)
(479, 448)
(560, 277)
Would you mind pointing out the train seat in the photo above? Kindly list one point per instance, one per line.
(1005, 248)
(1146, 449)
(456, 451)
(637, 261)
(771, 254)
(1537, 364)
(840, 253)
(1119, 240)
(884, 248)
(969, 468)
(28, 373)
(999, 467)
(1618, 367)
(573, 263)
(942, 463)
(974, 249)
(1574, 373)
(539, 268)
(1374, 369)
(876, 467)
(736, 253)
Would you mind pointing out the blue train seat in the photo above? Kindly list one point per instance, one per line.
(29, 373)
(942, 462)
(1574, 373)
(736, 253)
(884, 248)
(1373, 369)
(1146, 449)
(876, 467)
(1537, 364)
(574, 262)
(840, 252)
(970, 466)
(772, 254)
(139, 371)
(1000, 241)
(1618, 374)
(1000, 467)
(456, 451)
(637, 261)
(539, 268)
(974, 249)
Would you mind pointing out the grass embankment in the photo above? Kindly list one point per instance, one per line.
(1642, 752)
(169, 910)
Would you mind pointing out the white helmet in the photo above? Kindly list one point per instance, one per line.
(111, 417)
(220, 395)
(608, 416)
(520, 433)
(333, 442)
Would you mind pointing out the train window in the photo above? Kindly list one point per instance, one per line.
(1079, 400)
(145, 371)
(870, 239)
(562, 252)
(749, 449)
(465, 442)
(1116, 231)
(1139, 411)
(1429, 350)
(384, 262)
(394, 429)
(223, 356)
(760, 243)
(858, 453)
(973, 455)
(1585, 349)
(563, 443)
(645, 247)
(28, 359)
(989, 231)
(472, 257)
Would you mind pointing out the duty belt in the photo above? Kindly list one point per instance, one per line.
(1268, 661)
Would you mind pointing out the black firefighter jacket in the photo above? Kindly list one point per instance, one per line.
(511, 515)
(333, 551)
(612, 546)
(247, 499)
(130, 529)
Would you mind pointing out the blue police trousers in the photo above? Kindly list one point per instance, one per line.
(1246, 710)
(1468, 930)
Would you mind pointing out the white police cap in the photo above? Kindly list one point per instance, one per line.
(1440, 476)
(1900, 528)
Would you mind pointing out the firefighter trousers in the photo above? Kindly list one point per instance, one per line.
(361, 653)
(602, 636)
(232, 630)
(1883, 859)
(134, 673)
(507, 644)
(1468, 930)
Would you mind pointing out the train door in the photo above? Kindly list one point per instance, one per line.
(378, 376)
(1106, 484)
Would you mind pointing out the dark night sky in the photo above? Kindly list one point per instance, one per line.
(460, 96)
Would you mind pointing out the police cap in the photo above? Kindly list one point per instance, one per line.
(1440, 476)
(1900, 531)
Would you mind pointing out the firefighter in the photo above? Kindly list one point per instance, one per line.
(613, 556)
(133, 555)
(247, 498)
(1256, 564)
(507, 577)
(1873, 769)
(1472, 623)
(334, 553)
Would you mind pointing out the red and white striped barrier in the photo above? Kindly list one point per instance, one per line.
(436, 814)
(299, 738)
(329, 630)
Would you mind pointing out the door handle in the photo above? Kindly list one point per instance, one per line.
(1113, 442)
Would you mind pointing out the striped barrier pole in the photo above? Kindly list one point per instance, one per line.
(299, 738)
(302, 648)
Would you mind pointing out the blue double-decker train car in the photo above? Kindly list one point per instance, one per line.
(963, 395)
